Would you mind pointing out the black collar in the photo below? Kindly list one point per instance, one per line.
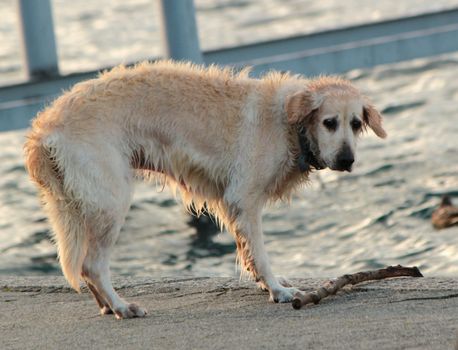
(307, 158)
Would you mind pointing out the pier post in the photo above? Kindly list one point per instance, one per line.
(180, 37)
(38, 40)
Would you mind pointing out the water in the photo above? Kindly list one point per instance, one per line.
(378, 215)
(94, 34)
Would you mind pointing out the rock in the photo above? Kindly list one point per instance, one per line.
(446, 215)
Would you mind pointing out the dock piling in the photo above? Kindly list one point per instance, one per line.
(180, 36)
(38, 40)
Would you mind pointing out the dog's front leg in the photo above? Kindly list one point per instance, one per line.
(246, 227)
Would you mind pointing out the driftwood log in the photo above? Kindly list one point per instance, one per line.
(331, 287)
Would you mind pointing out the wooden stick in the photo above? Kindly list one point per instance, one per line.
(333, 286)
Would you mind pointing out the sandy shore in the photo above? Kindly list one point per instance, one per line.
(224, 313)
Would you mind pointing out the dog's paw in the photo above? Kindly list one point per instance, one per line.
(129, 311)
(282, 294)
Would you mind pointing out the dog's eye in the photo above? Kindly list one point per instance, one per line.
(356, 124)
(330, 124)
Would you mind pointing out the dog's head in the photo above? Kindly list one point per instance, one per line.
(333, 113)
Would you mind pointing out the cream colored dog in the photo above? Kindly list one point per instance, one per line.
(223, 139)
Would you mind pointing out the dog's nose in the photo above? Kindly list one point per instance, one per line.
(345, 159)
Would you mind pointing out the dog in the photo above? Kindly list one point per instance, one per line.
(225, 141)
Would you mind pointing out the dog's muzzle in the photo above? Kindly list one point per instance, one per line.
(344, 160)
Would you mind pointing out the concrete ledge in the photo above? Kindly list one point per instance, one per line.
(224, 313)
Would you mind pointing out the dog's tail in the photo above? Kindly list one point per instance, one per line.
(65, 215)
(70, 236)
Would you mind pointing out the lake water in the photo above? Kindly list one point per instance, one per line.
(94, 34)
(377, 215)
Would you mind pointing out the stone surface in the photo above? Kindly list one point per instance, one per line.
(224, 313)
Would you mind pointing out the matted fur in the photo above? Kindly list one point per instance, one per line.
(218, 137)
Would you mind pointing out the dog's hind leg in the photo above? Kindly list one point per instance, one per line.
(103, 191)
(96, 231)
(86, 186)
(96, 273)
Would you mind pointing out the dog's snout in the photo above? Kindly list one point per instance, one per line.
(345, 159)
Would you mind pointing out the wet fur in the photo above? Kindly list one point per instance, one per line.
(217, 137)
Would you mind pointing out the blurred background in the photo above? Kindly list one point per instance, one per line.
(378, 215)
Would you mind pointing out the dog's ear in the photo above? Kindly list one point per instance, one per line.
(373, 119)
(300, 105)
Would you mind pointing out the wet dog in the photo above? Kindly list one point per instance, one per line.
(222, 139)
